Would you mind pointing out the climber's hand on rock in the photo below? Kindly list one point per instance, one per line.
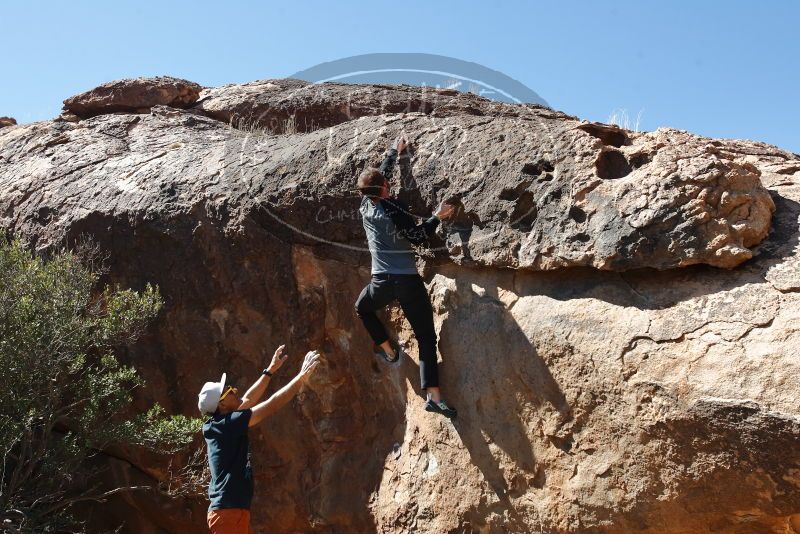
(310, 363)
(445, 211)
(401, 144)
(277, 359)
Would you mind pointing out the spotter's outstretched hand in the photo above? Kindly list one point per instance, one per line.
(310, 363)
(278, 358)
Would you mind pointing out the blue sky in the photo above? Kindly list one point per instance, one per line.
(723, 69)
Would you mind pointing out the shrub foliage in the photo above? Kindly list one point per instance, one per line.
(64, 394)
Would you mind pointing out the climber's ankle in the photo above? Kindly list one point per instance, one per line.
(434, 394)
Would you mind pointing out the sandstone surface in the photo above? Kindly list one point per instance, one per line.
(618, 312)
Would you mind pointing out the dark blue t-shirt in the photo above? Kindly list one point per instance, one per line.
(231, 483)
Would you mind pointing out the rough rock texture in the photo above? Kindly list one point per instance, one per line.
(539, 190)
(621, 395)
(133, 95)
(7, 121)
(303, 107)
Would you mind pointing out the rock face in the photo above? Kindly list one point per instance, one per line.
(624, 394)
(539, 189)
(138, 94)
(303, 107)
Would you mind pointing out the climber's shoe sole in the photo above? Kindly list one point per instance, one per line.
(441, 408)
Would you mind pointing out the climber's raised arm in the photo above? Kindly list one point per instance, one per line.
(399, 212)
(407, 227)
(390, 157)
(286, 393)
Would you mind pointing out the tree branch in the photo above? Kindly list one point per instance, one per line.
(98, 498)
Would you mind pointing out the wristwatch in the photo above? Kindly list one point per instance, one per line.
(266, 372)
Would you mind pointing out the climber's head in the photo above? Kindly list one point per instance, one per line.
(372, 183)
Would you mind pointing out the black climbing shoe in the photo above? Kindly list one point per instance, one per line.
(398, 351)
(442, 408)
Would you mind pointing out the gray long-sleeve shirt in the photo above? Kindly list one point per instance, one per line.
(391, 230)
(390, 252)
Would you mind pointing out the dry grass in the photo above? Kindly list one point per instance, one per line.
(253, 127)
(190, 480)
(619, 117)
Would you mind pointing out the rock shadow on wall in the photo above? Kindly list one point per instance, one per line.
(493, 375)
(784, 236)
(409, 191)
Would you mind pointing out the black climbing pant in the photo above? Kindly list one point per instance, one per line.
(410, 292)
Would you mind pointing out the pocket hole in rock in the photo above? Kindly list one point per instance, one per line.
(524, 213)
(640, 160)
(611, 165)
(537, 168)
(577, 214)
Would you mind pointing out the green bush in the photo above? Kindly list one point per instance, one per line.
(64, 395)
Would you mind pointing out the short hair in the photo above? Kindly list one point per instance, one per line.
(370, 182)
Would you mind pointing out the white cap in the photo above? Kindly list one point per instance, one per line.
(208, 399)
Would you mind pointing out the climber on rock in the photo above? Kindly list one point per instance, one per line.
(225, 431)
(391, 230)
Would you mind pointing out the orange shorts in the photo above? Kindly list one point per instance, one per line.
(229, 521)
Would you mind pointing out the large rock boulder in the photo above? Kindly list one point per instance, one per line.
(537, 190)
(7, 121)
(624, 394)
(540, 189)
(133, 95)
